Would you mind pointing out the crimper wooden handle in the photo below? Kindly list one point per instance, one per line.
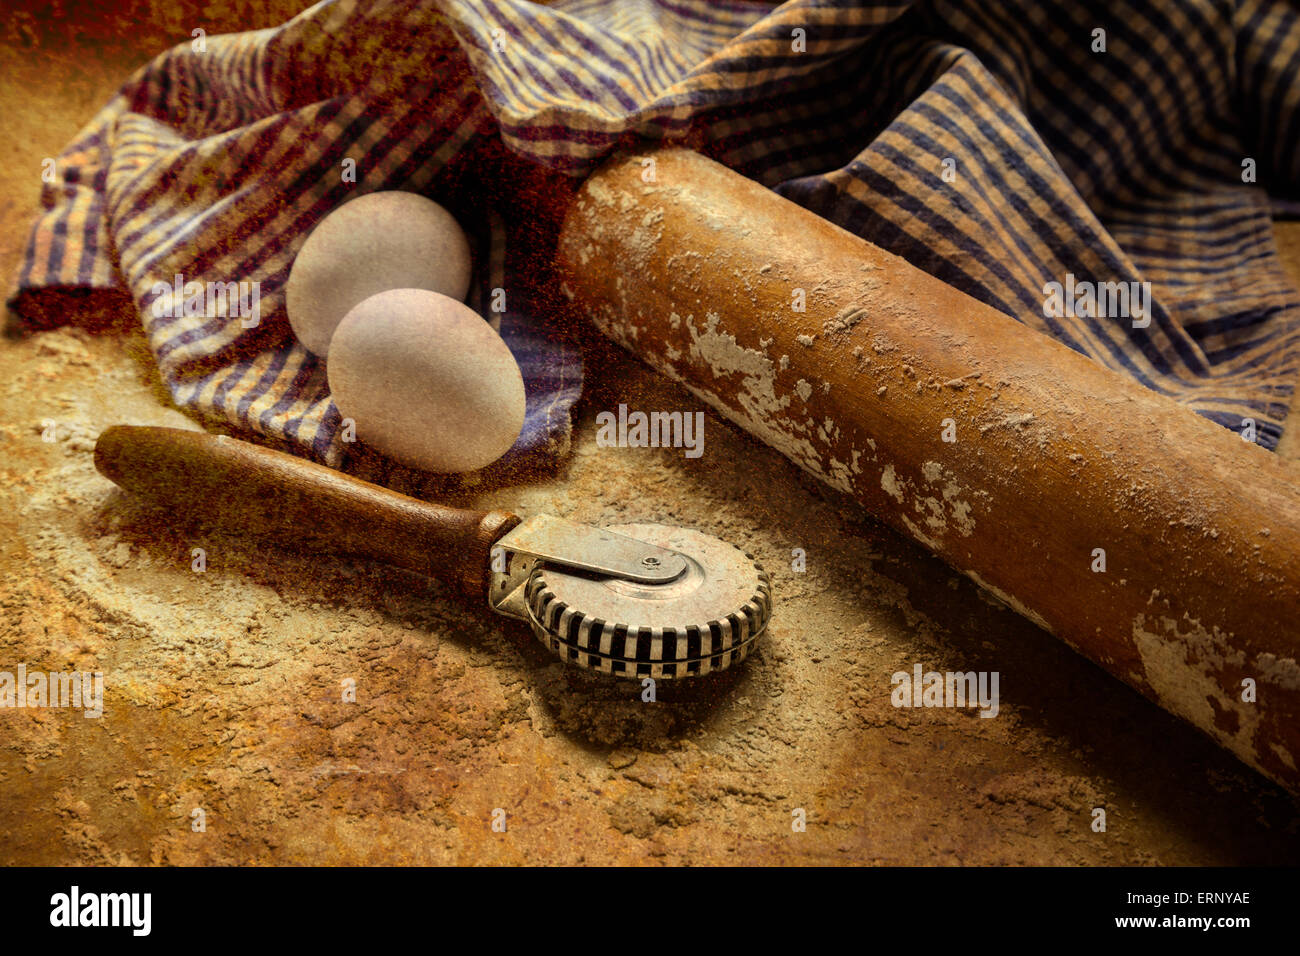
(270, 494)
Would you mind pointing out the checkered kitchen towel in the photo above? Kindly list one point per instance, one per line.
(1001, 145)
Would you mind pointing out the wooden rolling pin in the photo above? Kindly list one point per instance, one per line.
(1055, 458)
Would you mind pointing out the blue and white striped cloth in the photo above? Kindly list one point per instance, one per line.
(1160, 158)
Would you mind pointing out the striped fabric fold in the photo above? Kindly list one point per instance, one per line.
(1008, 147)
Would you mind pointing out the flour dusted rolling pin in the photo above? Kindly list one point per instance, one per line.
(1054, 456)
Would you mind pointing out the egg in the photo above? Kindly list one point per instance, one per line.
(380, 241)
(426, 380)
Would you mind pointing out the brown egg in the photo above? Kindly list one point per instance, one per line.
(427, 381)
(380, 241)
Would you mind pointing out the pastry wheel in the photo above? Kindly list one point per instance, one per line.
(633, 600)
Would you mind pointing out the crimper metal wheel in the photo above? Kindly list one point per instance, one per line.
(703, 620)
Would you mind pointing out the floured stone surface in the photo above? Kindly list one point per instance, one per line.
(224, 688)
